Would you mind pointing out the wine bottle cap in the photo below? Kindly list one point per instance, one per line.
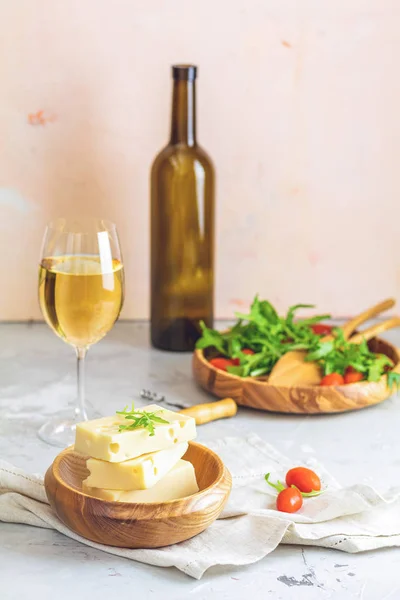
(184, 72)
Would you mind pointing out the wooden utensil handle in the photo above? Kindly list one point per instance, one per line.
(375, 330)
(351, 325)
(204, 413)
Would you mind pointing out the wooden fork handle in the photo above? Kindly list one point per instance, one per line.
(351, 325)
(375, 330)
(204, 413)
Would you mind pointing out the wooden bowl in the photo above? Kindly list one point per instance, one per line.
(144, 525)
(258, 393)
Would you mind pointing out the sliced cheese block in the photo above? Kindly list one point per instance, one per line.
(178, 483)
(102, 439)
(135, 474)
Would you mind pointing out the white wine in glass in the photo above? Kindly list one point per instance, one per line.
(81, 292)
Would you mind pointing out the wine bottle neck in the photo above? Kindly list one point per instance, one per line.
(183, 123)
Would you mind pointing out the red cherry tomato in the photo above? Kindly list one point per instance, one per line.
(332, 379)
(221, 363)
(289, 500)
(248, 351)
(321, 329)
(236, 361)
(353, 376)
(304, 479)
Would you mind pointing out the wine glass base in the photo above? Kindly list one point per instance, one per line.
(59, 431)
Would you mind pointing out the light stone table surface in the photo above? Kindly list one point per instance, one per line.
(37, 379)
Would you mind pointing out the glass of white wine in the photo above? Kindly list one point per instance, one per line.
(81, 292)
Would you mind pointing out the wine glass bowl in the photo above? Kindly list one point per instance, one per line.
(81, 292)
(79, 302)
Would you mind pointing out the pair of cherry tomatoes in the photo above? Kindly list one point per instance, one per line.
(350, 376)
(301, 482)
(222, 363)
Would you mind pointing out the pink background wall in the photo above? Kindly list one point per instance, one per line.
(298, 104)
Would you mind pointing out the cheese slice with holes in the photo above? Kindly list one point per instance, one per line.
(178, 483)
(135, 474)
(102, 439)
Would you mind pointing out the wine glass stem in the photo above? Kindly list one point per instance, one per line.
(80, 410)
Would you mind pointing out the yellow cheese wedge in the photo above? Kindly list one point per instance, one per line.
(135, 474)
(102, 439)
(178, 483)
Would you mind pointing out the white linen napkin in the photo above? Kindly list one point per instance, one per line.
(350, 519)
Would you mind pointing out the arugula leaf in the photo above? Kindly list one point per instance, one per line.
(316, 319)
(262, 313)
(235, 370)
(257, 372)
(234, 346)
(393, 379)
(140, 418)
(376, 368)
(211, 338)
(323, 349)
(268, 311)
(292, 310)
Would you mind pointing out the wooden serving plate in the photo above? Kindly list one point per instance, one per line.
(258, 393)
(144, 525)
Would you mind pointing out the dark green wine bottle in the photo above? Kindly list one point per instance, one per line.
(182, 227)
